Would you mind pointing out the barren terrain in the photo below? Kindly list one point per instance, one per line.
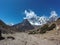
(50, 38)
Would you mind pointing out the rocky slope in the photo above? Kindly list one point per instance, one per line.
(24, 26)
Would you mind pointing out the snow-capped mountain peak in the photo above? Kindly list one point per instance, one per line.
(54, 16)
(40, 20)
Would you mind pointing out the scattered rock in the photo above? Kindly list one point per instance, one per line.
(10, 37)
(2, 38)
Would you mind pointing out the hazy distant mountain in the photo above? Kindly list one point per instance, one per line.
(25, 25)
(5, 28)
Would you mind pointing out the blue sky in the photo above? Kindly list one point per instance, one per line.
(12, 11)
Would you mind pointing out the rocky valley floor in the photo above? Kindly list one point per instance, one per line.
(30, 39)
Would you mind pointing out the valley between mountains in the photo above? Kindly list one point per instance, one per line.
(26, 34)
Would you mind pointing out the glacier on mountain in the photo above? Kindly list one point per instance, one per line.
(39, 20)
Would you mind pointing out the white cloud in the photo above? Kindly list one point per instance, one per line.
(29, 15)
(37, 20)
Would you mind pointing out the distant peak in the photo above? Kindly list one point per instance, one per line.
(58, 18)
(25, 20)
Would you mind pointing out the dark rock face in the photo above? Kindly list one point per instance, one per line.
(1, 38)
(10, 37)
(58, 19)
(25, 25)
(0, 33)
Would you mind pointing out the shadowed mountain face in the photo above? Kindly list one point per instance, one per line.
(2, 23)
(5, 28)
(24, 26)
(58, 21)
